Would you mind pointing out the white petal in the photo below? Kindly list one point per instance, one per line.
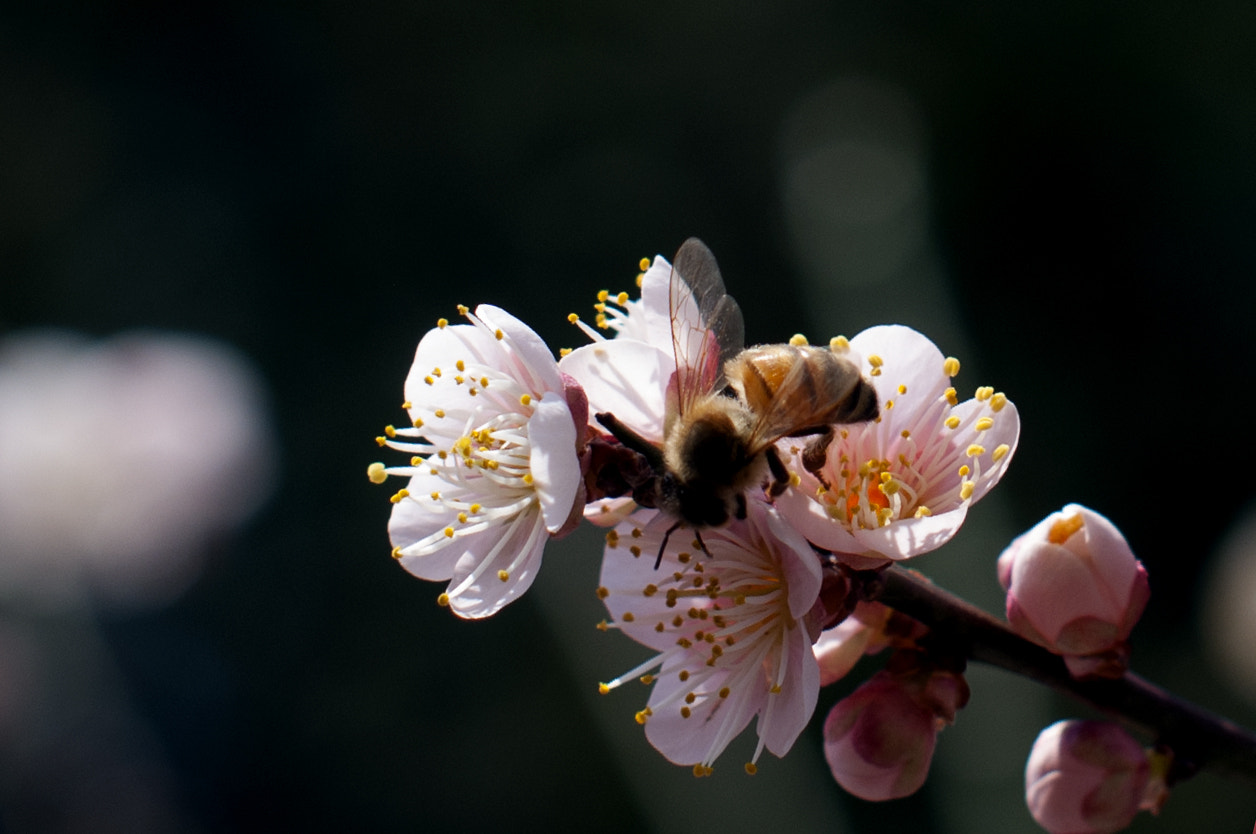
(553, 463)
(789, 711)
(533, 356)
(626, 378)
(910, 360)
(519, 554)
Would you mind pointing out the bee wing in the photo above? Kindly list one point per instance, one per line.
(702, 342)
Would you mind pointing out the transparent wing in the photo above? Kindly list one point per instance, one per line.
(707, 327)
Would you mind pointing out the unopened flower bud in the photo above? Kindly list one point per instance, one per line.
(1074, 586)
(1087, 777)
(879, 739)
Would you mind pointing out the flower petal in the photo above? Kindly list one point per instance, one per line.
(553, 462)
(626, 378)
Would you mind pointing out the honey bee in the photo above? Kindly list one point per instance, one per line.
(728, 405)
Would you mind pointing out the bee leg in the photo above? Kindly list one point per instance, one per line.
(780, 475)
(658, 560)
(816, 453)
(697, 534)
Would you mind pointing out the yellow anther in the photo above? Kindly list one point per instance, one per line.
(889, 404)
(964, 471)
(975, 450)
(775, 689)
(603, 626)
(460, 365)
(966, 490)
(527, 478)
(647, 679)
(483, 382)
(659, 627)
(875, 360)
(435, 496)
(572, 318)
(418, 422)
(794, 479)
(436, 372)
(449, 532)
(839, 344)
(905, 434)
(1063, 528)
(644, 264)
(621, 299)
(526, 399)
(984, 423)
(396, 553)
(902, 389)
(684, 673)
(984, 393)
(407, 404)
(923, 512)
(463, 309)
(400, 495)
(724, 692)
(503, 575)
(375, 472)
(798, 340)
(462, 518)
(951, 396)
(442, 323)
(999, 451)
(498, 335)
(602, 295)
(650, 590)
(381, 440)
(390, 431)
(950, 366)
(952, 422)
(629, 617)
(751, 769)
(603, 689)
(439, 413)
(998, 401)
(685, 712)
(475, 508)
(603, 592)
(642, 717)
(443, 600)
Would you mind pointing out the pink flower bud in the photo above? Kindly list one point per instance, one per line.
(1086, 777)
(1074, 586)
(879, 739)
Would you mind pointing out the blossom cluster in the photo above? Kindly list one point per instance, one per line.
(510, 447)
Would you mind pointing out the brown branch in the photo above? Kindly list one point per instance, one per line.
(1198, 738)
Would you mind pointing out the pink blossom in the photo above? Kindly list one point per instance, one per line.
(1074, 586)
(902, 484)
(879, 740)
(728, 628)
(1088, 777)
(495, 471)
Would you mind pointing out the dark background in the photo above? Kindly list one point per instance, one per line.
(1063, 195)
